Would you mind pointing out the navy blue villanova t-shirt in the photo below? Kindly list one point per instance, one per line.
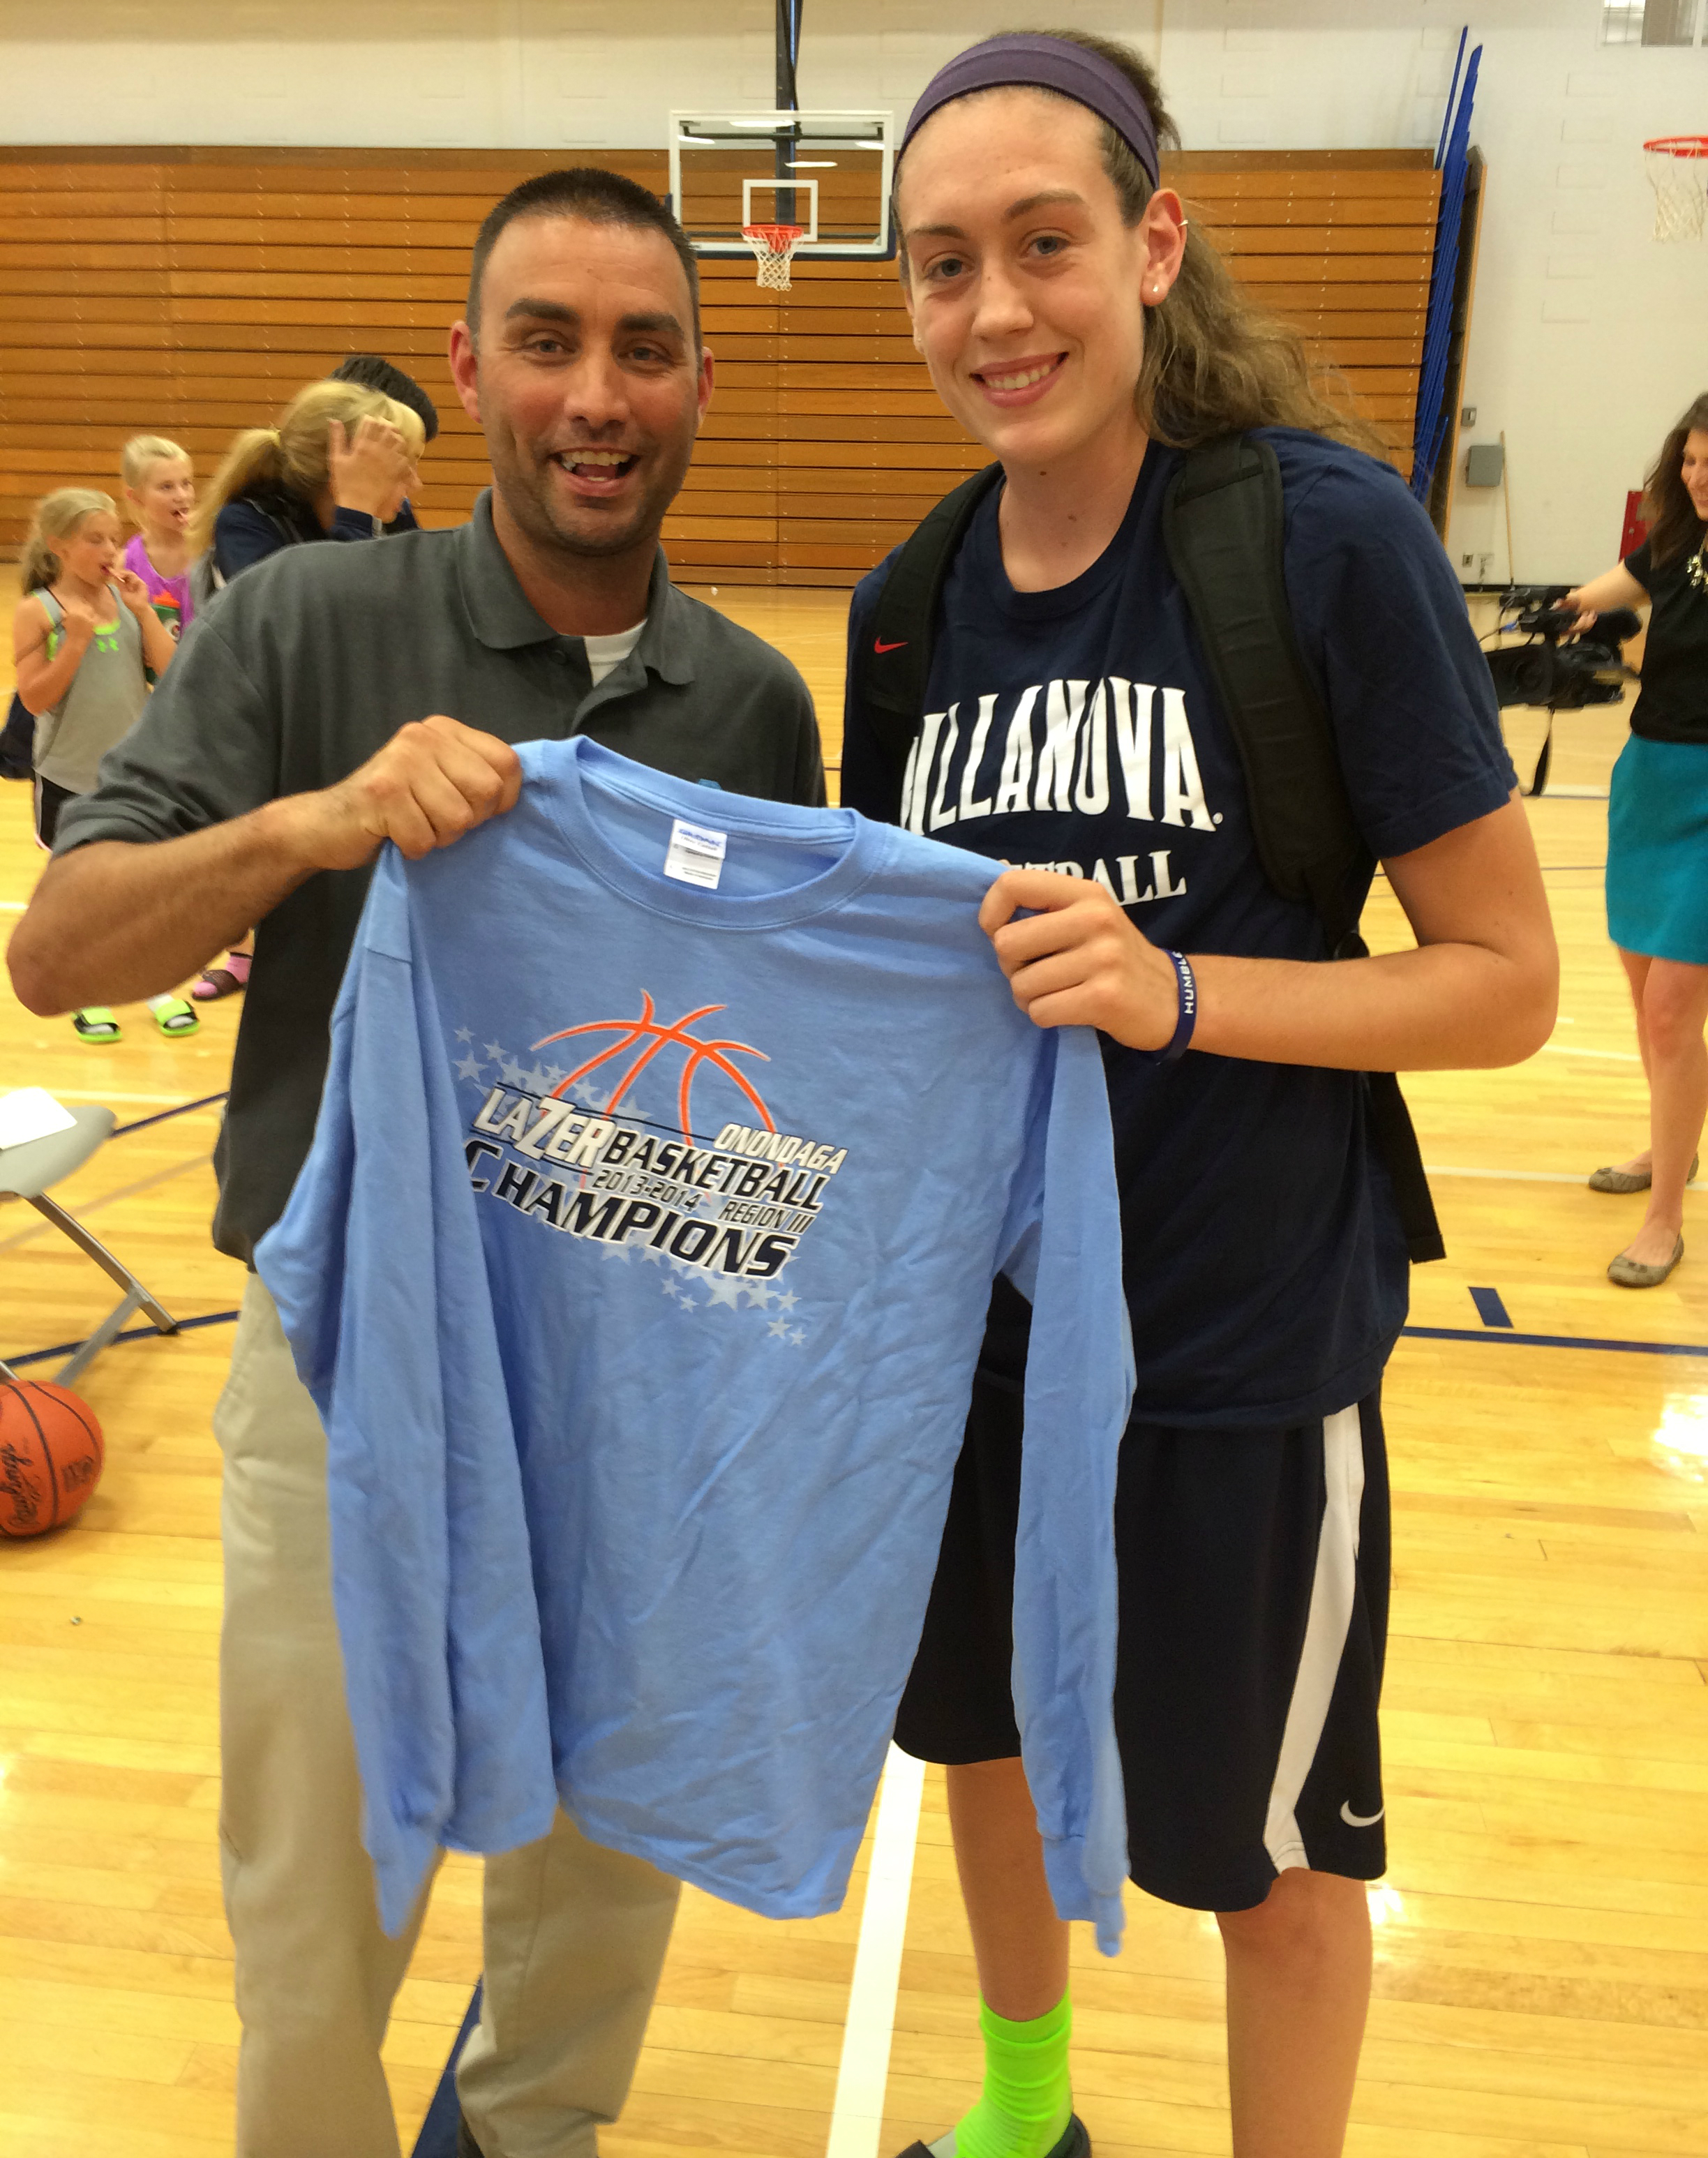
(1077, 730)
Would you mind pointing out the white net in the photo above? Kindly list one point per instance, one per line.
(1678, 171)
(774, 247)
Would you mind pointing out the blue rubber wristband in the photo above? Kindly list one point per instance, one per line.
(1181, 1040)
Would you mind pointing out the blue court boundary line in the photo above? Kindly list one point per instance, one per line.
(1553, 1341)
(438, 2136)
(1499, 1337)
(162, 1115)
(1490, 1309)
(130, 1334)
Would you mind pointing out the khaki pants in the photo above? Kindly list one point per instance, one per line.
(574, 1934)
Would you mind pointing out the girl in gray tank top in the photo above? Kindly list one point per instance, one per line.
(103, 702)
(86, 641)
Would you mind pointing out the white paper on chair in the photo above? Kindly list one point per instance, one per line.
(31, 1113)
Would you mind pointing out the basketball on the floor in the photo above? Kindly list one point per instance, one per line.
(50, 1456)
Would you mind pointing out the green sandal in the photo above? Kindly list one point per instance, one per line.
(96, 1026)
(173, 1016)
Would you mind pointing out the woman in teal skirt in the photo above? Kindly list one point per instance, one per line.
(1658, 841)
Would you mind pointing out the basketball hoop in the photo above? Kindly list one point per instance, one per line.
(1678, 171)
(774, 247)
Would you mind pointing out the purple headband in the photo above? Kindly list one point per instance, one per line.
(1023, 60)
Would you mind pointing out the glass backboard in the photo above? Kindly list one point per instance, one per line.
(827, 172)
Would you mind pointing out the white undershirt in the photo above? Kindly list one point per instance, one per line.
(604, 652)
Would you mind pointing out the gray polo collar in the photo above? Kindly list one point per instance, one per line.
(504, 619)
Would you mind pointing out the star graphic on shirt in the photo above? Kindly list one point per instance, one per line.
(687, 1303)
(536, 1081)
(778, 1329)
(467, 1067)
(725, 1291)
(511, 1073)
(787, 1301)
(762, 1297)
(463, 1034)
(798, 1337)
(553, 1073)
(493, 1051)
(652, 1254)
(669, 1289)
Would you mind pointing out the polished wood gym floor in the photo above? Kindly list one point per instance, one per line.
(1542, 1938)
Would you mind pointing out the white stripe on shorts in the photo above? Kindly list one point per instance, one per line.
(1332, 1594)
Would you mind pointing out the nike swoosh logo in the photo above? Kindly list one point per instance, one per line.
(879, 645)
(1360, 1820)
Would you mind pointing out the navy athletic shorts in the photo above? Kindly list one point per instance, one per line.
(1253, 1618)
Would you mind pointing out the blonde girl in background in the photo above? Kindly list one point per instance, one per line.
(160, 493)
(339, 465)
(85, 640)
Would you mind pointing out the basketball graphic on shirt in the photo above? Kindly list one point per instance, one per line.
(657, 1036)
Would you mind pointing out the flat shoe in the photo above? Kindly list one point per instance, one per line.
(1631, 1274)
(174, 1017)
(96, 1026)
(1074, 2143)
(1622, 1180)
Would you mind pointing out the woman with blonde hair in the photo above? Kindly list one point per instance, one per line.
(85, 642)
(337, 465)
(1046, 696)
(1657, 873)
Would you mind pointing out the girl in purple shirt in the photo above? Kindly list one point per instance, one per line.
(160, 492)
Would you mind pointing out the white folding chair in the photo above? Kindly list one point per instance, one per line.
(30, 1172)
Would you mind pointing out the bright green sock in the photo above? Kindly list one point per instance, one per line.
(1027, 2099)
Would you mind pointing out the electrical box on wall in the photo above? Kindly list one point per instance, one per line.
(1484, 463)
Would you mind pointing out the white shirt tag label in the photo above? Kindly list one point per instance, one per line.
(696, 855)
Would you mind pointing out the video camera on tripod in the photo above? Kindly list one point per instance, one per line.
(1547, 670)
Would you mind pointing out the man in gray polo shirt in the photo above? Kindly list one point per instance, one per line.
(333, 698)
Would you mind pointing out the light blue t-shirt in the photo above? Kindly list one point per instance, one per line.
(638, 1271)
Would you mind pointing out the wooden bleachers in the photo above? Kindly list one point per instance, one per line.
(189, 293)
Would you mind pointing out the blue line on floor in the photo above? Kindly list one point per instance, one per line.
(183, 1109)
(1557, 1341)
(438, 2136)
(130, 1334)
(1489, 1308)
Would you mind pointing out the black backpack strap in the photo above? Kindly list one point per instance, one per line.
(1223, 523)
(887, 676)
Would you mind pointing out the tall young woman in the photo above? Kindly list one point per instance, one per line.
(1658, 841)
(1074, 324)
